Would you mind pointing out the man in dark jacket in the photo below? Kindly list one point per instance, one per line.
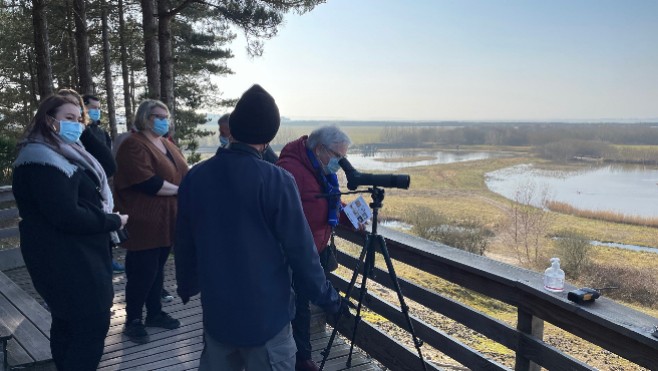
(94, 133)
(93, 105)
(238, 250)
(313, 162)
(225, 138)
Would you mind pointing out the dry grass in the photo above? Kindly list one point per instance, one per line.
(609, 216)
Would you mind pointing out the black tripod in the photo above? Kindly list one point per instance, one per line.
(367, 258)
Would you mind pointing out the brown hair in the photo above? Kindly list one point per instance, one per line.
(41, 123)
(72, 94)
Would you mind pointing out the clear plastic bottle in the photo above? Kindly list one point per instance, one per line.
(554, 277)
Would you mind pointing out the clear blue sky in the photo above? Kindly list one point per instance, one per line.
(460, 59)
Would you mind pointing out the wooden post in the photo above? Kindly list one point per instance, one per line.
(533, 326)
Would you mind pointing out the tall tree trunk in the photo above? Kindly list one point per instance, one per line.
(42, 49)
(124, 67)
(132, 89)
(34, 85)
(151, 49)
(109, 88)
(73, 72)
(166, 60)
(85, 84)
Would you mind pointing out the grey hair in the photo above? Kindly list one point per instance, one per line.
(141, 121)
(328, 136)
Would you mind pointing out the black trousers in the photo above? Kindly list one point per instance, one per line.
(301, 324)
(144, 281)
(301, 327)
(77, 344)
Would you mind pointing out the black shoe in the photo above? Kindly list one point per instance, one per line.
(306, 365)
(136, 332)
(163, 320)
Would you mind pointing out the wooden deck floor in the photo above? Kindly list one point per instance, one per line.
(181, 348)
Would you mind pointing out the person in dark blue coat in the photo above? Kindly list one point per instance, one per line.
(238, 251)
(65, 206)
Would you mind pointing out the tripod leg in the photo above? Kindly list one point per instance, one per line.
(403, 305)
(355, 274)
(367, 269)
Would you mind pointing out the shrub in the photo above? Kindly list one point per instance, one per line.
(7, 155)
(573, 248)
(468, 235)
(424, 220)
(568, 149)
(635, 285)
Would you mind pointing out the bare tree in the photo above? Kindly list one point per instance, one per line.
(528, 223)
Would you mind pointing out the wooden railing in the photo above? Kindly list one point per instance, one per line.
(612, 326)
(7, 213)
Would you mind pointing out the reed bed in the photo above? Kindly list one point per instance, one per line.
(609, 216)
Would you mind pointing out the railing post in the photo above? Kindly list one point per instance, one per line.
(6, 193)
(533, 326)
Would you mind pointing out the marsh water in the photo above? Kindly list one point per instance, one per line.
(630, 190)
(395, 160)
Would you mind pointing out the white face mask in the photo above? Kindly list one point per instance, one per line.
(223, 141)
(332, 166)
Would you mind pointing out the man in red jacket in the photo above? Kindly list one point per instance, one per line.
(313, 161)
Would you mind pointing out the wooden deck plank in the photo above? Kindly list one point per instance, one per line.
(123, 344)
(189, 365)
(170, 344)
(29, 307)
(188, 332)
(25, 333)
(180, 349)
(16, 355)
(155, 361)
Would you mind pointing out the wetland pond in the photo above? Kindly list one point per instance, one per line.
(624, 189)
(629, 190)
(399, 159)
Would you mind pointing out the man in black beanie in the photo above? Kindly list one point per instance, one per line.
(237, 250)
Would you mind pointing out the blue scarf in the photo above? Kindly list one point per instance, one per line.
(329, 183)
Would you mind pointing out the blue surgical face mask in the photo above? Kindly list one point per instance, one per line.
(223, 141)
(332, 166)
(70, 131)
(94, 114)
(160, 126)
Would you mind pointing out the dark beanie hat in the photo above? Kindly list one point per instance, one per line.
(255, 119)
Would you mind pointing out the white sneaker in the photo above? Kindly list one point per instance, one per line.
(166, 297)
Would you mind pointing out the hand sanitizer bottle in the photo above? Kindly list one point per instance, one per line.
(554, 277)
